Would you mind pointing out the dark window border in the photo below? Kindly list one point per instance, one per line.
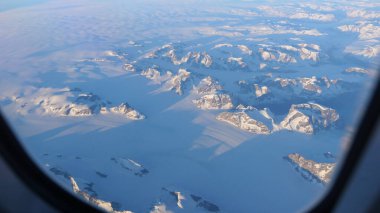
(19, 161)
(17, 158)
(360, 141)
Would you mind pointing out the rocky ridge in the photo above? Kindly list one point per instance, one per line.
(311, 170)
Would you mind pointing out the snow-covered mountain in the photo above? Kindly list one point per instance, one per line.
(266, 89)
(107, 206)
(311, 170)
(308, 118)
(243, 121)
(305, 118)
(72, 103)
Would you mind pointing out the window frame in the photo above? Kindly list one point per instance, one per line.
(33, 177)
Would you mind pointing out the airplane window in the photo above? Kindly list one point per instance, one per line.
(188, 106)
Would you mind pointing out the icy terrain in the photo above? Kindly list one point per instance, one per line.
(188, 106)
